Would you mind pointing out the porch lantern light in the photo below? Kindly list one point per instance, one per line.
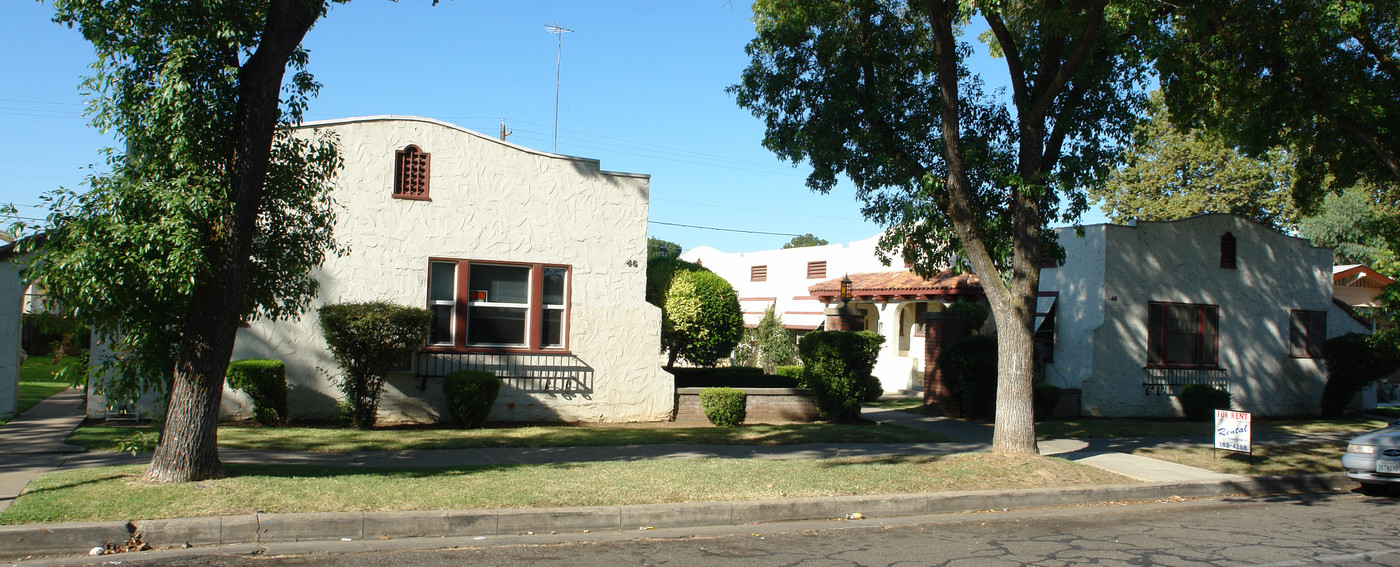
(845, 290)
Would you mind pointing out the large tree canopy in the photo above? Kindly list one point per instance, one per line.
(1171, 173)
(212, 213)
(880, 91)
(804, 241)
(1358, 227)
(1319, 77)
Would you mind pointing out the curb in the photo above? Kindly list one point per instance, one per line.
(76, 538)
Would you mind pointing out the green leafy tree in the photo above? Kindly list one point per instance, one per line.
(805, 241)
(1171, 174)
(768, 345)
(1318, 77)
(660, 271)
(658, 248)
(1357, 227)
(701, 319)
(212, 214)
(880, 91)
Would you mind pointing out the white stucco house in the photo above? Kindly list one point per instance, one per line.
(1139, 311)
(801, 283)
(533, 265)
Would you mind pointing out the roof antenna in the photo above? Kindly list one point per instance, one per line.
(555, 29)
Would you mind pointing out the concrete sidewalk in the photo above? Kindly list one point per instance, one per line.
(33, 444)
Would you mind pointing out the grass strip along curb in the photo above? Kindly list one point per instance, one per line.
(77, 538)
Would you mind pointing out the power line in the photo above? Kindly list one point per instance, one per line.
(722, 229)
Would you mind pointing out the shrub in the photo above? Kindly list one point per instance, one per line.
(701, 319)
(836, 366)
(1199, 402)
(266, 382)
(767, 345)
(976, 314)
(1353, 361)
(1046, 397)
(969, 368)
(723, 406)
(368, 339)
(470, 395)
(794, 372)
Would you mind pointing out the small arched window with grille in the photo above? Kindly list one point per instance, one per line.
(1227, 251)
(411, 173)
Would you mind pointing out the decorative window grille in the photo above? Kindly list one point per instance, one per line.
(816, 270)
(758, 274)
(411, 173)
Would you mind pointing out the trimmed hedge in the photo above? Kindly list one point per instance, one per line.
(724, 406)
(969, 369)
(732, 377)
(470, 395)
(836, 366)
(265, 381)
(1199, 402)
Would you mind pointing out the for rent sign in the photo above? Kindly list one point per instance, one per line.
(1232, 430)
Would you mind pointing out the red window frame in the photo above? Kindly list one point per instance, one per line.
(1206, 335)
(535, 314)
(1306, 332)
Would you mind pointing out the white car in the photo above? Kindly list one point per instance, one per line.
(1373, 459)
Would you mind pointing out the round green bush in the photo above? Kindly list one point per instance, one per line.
(1199, 402)
(836, 366)
(470, 395)
(265, 381)
(724, 406)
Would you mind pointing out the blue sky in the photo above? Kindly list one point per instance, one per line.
(642, 90)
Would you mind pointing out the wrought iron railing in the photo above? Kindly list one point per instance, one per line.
(1170, 380)
(555, 373)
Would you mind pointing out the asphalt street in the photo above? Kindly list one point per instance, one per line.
(1284, 530)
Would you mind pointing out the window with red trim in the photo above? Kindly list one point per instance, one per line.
(498, 305)
(1183, 335)
(1306, 332)
(411, 173)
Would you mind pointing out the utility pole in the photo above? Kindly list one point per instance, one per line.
(555, 29)
(505, 132)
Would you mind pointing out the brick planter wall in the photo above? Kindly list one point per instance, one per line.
(763, 405)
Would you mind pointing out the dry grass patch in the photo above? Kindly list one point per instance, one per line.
(1090, 428)
(1268, 460)
(117, 493)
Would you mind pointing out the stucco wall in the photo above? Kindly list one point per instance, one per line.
(1180, 262)
(490, 201)
(1079, 308)
(12, 316)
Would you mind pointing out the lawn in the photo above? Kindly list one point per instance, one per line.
(1266, 460)
(117, 493)
(341, 439)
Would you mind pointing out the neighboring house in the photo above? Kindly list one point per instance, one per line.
(1357, 286)
(1139, 311)
(802, 283)
(781, 277)
(533, 265)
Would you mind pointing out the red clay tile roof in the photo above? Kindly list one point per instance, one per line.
(894, 285)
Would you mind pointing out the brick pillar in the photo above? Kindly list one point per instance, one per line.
(940, 328)
(844, 319)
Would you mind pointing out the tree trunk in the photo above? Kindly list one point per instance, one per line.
(188, 448)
